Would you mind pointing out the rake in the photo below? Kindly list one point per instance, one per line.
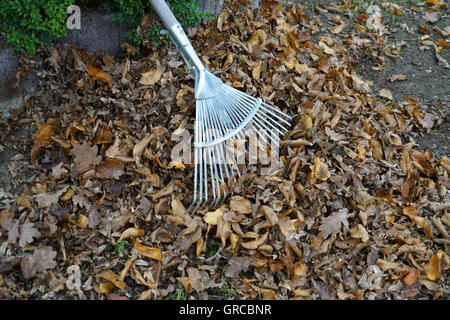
(222, 115)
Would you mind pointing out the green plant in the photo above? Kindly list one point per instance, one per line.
(132, 11)
(27, 24)
(179, 294)
(120, 247)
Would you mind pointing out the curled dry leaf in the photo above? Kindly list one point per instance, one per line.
(212, 216)
(42, 137)
(152, 253)
(113, 278)
(241, 205)
(131, 233)
(433, 267)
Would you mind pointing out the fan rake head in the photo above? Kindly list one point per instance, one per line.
(220, 122)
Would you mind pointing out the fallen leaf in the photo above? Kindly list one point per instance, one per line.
(111, 168)
(252, 245)
(152, 253)
(86, 156)
(27, 233)
(396, 77)
(412, 276)
(212, 216)
(42, 137)
(98, 74)
(433, 267)
(45, 200)
(320, 170)
(240, 205)
(430, 16)
(151, 77)
(112, 277)
(386, 94)
(195, 279)
(423, 29)
(40, 261)
(131, 233)
(271, 216)
(333, 222)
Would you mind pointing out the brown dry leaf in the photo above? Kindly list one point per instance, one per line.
(110, 169)
(112, 277)
(140, 147)
(40, 261)
(186, 283)
(320, 170)
(424, 29)
(359, 232)
(58, 171)
(6, 218)
(397, 77)
(131, 233)
(152, 253)
(433, 267)
(240, 205)
(42, 137)
(412, 276)
(167, 190)
(212, 216)
(27, 233)
(252, 245)
(430, 16)
(271, 216)
(338, 28)
(86, 156)
(195, 279)
(333, 222)
(25, 199)
(98, 74)
(151, 77)
(45, 200)
(385, 93)
(228, 61)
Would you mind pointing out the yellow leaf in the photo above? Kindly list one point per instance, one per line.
(106, 287)
(385, 93)
(228, 61)
(82, 221)
(151, 77)
(152, 253)
(68, 195)
(199, 246)
(320, 170)
(176, 164)
(212, 216)
(112, 277)
(433, 267)
(131, 233)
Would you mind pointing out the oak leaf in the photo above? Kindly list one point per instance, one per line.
(39, 261)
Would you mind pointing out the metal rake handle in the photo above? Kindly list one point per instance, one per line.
(178, 36)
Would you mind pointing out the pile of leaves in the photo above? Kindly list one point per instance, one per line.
(355, 211)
